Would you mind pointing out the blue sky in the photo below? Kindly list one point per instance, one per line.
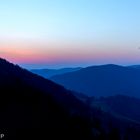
(107, 25)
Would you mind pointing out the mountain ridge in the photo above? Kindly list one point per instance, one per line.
(105, 80)
(47, 73)
(34, 107)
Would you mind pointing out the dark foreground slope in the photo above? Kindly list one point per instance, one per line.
(105, 80)
(33, 107)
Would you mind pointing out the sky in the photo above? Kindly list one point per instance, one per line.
(69, 33)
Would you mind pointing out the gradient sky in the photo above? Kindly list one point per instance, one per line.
(59, 33)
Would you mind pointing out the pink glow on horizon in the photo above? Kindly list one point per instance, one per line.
(48, 53)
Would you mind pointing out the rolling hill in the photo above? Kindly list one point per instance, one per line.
(118, 105)
(104, 80)
(47, 73)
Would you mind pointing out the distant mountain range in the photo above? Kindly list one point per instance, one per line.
(47, 73)
(33, 107)
(135, 66)
(104, 80)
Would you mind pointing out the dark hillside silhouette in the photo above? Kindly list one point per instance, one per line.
(30, 104)
(32, 107)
